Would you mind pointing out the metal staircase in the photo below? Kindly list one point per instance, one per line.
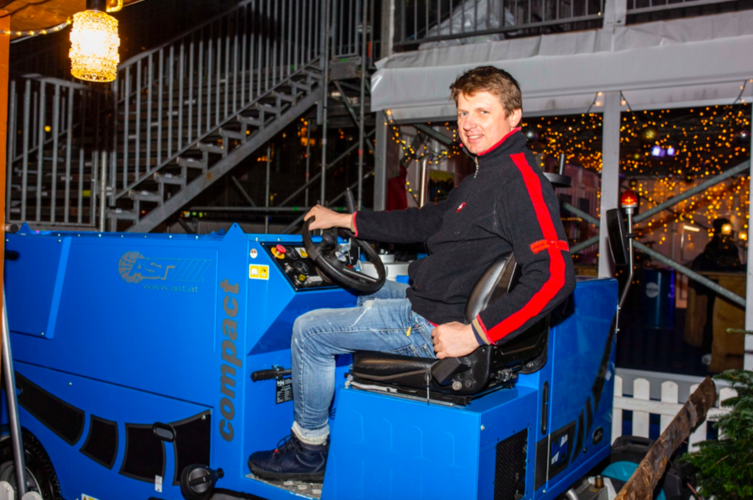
(189, 111)
(130, 156)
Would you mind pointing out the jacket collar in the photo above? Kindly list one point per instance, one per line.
(514, 140)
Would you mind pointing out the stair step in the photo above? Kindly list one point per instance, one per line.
(189, 162)
(251, 120)
(267, 108)
(145, 196)
(120, 214)
(284, 97)
(233, 134)
(212, 148)
(177, 180)
(300, 86)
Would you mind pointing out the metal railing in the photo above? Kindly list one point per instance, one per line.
(642, 6)
(172, 96)
(56, 130)
(425, 21)
(348, 19)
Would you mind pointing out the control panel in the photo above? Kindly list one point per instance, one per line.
(296, 265)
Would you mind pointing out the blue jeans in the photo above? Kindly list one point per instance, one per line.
(380, 322)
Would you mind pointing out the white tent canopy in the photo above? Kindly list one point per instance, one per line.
(684, 62)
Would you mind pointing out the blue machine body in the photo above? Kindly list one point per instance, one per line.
(113, 333)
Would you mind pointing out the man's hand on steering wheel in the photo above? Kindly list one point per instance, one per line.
(453, 340)
(330, 259)
(324, 218)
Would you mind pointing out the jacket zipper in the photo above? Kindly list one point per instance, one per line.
(476, 160)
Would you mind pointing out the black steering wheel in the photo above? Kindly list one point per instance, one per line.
(324, 255)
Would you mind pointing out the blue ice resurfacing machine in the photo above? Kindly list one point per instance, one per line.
(134, 353)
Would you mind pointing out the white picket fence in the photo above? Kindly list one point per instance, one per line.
(663, 394)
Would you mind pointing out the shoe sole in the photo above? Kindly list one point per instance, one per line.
(312, 477)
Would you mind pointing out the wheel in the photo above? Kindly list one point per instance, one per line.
(326, 257)
(632, 449)
(40, 475)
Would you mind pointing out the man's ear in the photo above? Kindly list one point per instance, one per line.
(515, 117)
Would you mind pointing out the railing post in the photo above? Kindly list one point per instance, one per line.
(103, 190)
(748, 362)
(616, 412)
(615, 12)
(380, 162)
(325, 97)
(610, 175)
(388, 28)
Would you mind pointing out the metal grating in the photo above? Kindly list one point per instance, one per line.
(510, 467)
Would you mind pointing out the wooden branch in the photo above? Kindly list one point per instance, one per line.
(651, 469)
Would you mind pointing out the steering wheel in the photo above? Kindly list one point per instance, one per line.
(324, 255)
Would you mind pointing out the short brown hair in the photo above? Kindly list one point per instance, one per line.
(489, 79)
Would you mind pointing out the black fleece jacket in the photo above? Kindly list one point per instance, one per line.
(507, 206)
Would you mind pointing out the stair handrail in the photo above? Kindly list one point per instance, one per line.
(189, 147)
(142, 55)
(164, 83)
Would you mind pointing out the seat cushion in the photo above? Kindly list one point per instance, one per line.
(391, 368)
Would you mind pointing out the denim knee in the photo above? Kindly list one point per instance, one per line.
(303, 326)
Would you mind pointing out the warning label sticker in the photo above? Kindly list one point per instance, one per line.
(258, 272)
(284, 392)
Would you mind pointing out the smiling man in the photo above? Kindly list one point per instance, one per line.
(507, 205)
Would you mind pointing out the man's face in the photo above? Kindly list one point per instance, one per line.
(482, 121)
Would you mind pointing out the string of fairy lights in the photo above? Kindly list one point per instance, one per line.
(662, 154)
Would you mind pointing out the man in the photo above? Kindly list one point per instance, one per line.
(508, 205)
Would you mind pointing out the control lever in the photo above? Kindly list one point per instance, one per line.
(277, 373)
(350, 202)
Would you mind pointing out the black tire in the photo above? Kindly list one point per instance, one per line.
(40, 474)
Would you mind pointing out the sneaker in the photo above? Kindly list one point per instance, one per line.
(291, 460)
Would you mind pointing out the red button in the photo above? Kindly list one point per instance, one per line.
(281, 249)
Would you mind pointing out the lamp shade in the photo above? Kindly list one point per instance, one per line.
(94, 46)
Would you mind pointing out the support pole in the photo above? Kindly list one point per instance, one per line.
(9, 380)
(651, 469)
(703, 280)
(584, 244)
(266, 193)
(308, 160)
(748, 360)
(102, 191)
(743, 167)
(362, 120)
(610, 176)
(380, 162)
(7, 376)
(242, 191)
(388, 28)
(325, 98)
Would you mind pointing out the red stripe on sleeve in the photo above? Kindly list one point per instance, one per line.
(355, 228)
(556, 262)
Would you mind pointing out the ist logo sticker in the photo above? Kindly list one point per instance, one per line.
(133, 267)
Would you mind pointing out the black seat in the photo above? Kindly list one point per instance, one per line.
(459, 379)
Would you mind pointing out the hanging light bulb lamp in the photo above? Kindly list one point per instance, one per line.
(94, 43)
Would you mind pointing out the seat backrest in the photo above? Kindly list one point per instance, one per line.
(497, 280)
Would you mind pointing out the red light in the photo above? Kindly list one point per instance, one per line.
(629, 199)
